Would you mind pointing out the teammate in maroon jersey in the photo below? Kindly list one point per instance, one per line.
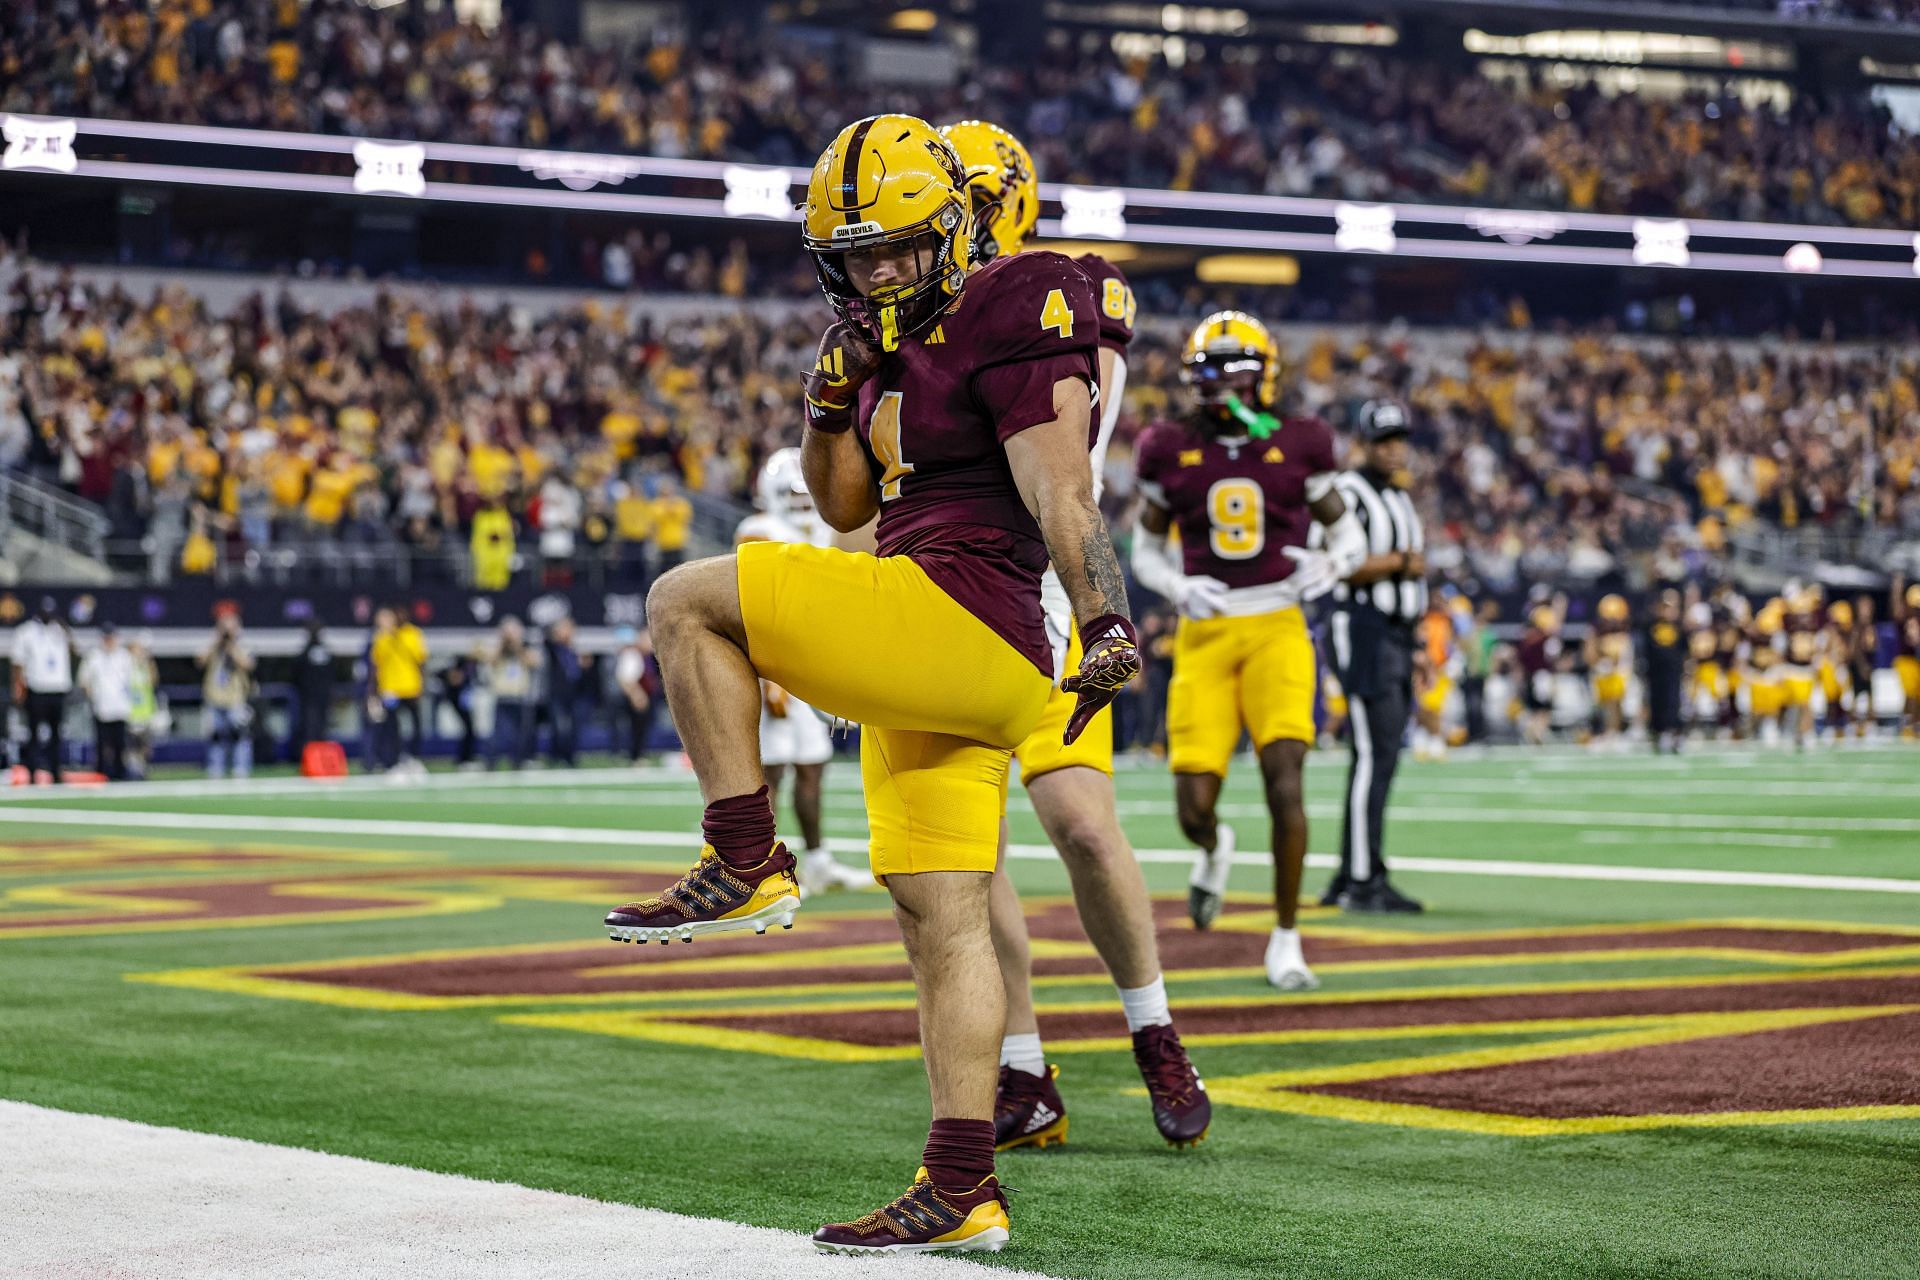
(1244, 487)
(958, 409)
(1071, 783)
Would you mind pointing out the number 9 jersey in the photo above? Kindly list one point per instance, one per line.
(1239, 503)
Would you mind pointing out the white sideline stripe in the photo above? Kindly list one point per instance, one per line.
(613, 838)
(208, 788)
(1735, 839)
(92, 1196)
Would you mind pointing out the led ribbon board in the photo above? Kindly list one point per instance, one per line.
(512, 177)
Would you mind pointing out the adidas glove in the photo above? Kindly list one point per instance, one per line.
(832, 386)
(1110, 660)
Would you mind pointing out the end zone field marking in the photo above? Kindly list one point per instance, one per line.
(1668, 1029)
(1280, 1090)
(898, 996)
(1333, 1106)
(698, 1036)
(577, 836)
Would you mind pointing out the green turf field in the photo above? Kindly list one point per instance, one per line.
(1663, 1018)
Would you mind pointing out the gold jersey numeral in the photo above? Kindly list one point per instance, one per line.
(1056, 314)
(883, 436)
(1237, 512)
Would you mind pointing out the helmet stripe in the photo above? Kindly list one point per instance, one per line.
(850, 171)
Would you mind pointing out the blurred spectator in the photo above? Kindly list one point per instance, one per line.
(398, 657)
(144, 718)
(314, 678)
(226, 690)
(457, 681)
(107, 676)
(43, 676)
(566, 686)
(672, 516)
(492, 544)
(512, 669)
(637, 688)
(559, 522)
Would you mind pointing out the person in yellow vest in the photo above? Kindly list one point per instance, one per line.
(398, 657)
(672, 515)
(492, 548)
(199, 555)
(632, 530)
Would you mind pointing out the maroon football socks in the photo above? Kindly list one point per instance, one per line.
(959, 1153)
(740, 828)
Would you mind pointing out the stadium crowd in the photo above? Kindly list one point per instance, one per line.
(438, 431)
(1356, 124)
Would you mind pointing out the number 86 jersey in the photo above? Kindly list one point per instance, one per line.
(936, 416)
(1238, 502)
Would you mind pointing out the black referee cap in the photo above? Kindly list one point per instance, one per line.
(1382, 420)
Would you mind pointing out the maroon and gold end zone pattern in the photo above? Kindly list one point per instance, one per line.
(253, 887)
(1818, 1023)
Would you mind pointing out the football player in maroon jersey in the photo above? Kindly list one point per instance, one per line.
(1071, 784)
(956, 407)
(1245, 487)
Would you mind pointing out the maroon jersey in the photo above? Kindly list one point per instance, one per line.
(1115, 298)
(1803, 638)
(1239, 503)
(935, 419)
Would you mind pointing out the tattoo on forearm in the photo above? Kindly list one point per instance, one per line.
(1102, 567)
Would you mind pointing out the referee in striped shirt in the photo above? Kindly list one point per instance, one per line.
(1372, 632)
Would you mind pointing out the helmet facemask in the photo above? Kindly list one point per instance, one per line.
(1218, 377)
(936, 252)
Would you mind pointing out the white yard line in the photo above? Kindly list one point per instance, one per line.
(90, 1196)
(1729, 839)
(605, 837)
(227, 788)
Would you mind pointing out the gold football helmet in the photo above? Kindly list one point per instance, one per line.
(1613, 609)
(1840, 614)
(889, 187)
(1001, 183)
(1226, 344)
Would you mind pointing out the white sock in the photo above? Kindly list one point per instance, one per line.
(1146, 1006)
(1289, 939)
(1023, 1053)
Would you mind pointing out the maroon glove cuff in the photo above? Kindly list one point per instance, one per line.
(1108, 626)
(824, 415)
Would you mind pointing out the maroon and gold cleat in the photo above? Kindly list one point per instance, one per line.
(712, 898)
(1027, 1111)
(924, 1220)
(1181, 1109)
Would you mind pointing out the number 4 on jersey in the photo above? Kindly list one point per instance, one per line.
(1056, 314)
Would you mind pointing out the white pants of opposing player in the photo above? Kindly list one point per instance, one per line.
(799, 737)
